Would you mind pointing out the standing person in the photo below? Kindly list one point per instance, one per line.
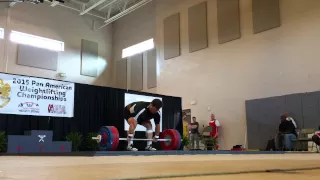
(141, 113)
(185, 124)
(215, 124)
(194, 133)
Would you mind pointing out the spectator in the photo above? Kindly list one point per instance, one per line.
(194, 133)
(288, 118)
(185, 124)
(215, 124)
(286, 134)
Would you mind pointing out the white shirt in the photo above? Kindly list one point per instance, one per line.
(217, 123)
(292, 120)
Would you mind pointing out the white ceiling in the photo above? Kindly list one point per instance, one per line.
(106, 10)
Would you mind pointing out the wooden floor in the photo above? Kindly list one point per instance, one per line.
(120, 167)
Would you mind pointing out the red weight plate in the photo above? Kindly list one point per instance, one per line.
(180, 140)
(176, 139)
(115, 138)
(171, 144)
(165, 145)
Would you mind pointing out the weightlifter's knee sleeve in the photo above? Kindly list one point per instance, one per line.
(150, 131)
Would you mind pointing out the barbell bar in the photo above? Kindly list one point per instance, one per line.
(99, 137)
(108, 139)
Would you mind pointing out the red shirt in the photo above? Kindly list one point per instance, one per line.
(214, 124)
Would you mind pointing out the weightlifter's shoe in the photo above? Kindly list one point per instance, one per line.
(150, 148)
(131, 148)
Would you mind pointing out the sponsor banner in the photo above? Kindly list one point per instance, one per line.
(25, 95)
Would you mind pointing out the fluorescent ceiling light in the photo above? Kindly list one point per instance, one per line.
(36, 41)
(138, 48)
(1, 33)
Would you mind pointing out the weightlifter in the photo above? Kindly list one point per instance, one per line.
(141, 113)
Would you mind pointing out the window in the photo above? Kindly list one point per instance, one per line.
(36, 41)
(138, 48)
(1, 33)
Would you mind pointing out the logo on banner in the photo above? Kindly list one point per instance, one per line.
(41, 138)
(5, 91)
(57, 109)
(30, 107)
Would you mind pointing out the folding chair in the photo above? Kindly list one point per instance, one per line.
(303, 137)
(206, 139)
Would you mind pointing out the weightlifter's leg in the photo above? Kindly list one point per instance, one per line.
(149, 135)
(132, 126)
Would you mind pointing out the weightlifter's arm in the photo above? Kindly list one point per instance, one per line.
(157, 122)
(157, 131)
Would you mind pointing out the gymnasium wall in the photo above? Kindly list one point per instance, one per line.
(138, 26)
(59, 24)
(279, 61)
(263, 115)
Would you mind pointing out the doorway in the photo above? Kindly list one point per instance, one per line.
(187, 112)
(185, 121)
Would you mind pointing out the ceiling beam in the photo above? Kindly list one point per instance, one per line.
(54, 3)
(125, 12)
(91, 7)
(111, 2)
(109, 12)
(12, 4)
(76, 7)
(125, 5)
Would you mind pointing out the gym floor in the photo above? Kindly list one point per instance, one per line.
(160, 167)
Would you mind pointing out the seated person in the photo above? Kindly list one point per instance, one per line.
(286, 134)
(316, 137)
(289, 118)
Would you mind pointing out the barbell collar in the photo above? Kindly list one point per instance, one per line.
(98, 138)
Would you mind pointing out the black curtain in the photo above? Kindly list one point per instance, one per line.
(17, 124)
(94, 106)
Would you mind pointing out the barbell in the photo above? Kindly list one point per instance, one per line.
(99, 138)
(108, 139)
